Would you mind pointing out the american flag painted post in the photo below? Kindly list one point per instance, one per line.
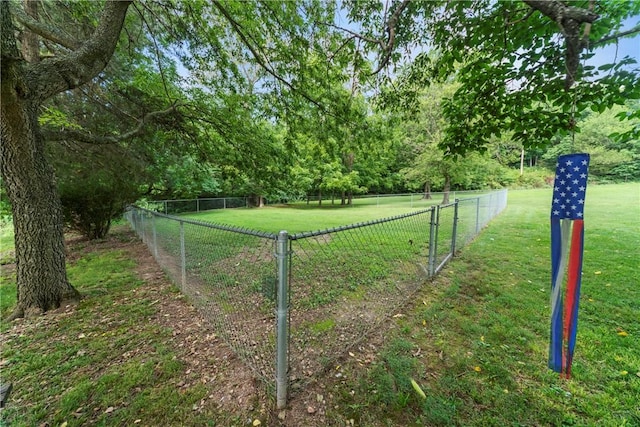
(567, 242)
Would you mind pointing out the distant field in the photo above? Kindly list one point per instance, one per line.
(300, 216)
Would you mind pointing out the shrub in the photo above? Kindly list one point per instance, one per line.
(95, 184)
(533, 178)
(92, 199)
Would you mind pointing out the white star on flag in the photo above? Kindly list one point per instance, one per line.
(569, 188)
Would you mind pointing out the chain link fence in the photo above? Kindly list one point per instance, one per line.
(173, 207)
(291, 305)
(227, 272)
(413, 200)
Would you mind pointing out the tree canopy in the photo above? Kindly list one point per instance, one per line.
(521, 65)
(162, 98)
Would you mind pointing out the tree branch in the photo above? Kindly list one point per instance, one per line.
(55, 75)
(558, 11)
(569, 19)
(157, 52)
(587, 28)
(30, 45)
(616, 36)
(524, 18)
(88, 138)
(391, 31)
(358, 35)
(259, 57)
(44, 30)
(385, 46)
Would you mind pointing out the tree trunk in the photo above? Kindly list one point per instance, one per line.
(256, 201)
(446, 190)
(41, 276)
(37, 215)
(427, 191)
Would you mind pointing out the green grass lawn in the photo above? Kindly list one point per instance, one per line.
(109, 360)
(7, 281)
(475, 339)
(300, 217)
(481, 334)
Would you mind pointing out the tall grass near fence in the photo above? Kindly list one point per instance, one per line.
(340, 282)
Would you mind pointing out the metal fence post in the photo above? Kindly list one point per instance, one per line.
(155, 237)
(143, 233)
(455, 227)
(477, 215)
(183, 256)
(433, 237)
(490, 208)
(224, 203)
(282, 331)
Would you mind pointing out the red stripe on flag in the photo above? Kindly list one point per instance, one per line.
(573, 272)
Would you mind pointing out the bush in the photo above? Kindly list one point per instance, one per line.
(92, 199)
(533, 178)
(95, 184)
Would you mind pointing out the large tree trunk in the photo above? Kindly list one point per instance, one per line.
(42, 282)
(37, 214)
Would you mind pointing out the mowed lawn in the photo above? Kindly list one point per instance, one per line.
(475, 339)
(299, 217)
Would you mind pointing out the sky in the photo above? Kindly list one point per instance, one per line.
(625, 47)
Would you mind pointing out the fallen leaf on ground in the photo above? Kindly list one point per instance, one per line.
(418, 389)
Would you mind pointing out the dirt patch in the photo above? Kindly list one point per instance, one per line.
(209, 361)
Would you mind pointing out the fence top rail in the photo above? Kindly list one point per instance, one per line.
(240, 230)
(448, 205)
(194, 200)
(307, 234)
